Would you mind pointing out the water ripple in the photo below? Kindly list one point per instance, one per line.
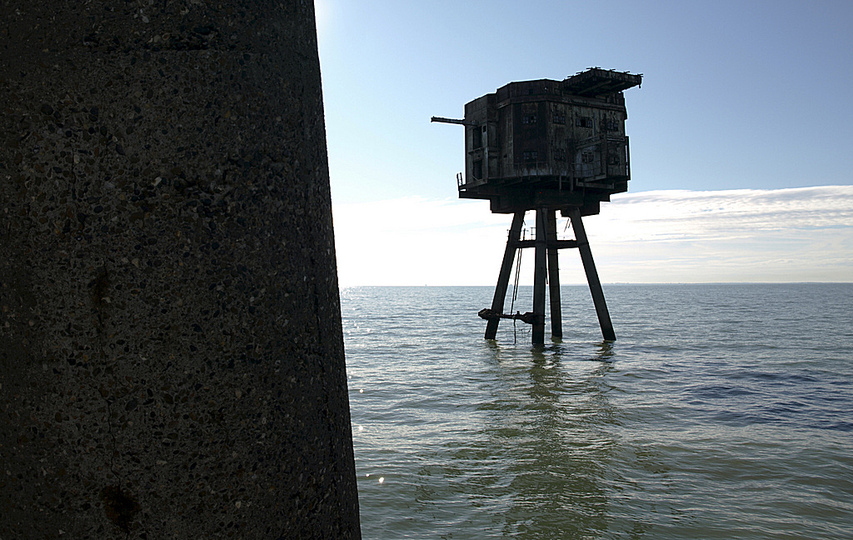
(722, 411)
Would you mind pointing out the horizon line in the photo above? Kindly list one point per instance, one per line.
(623, 283)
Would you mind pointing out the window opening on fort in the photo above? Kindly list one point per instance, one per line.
(478, 138)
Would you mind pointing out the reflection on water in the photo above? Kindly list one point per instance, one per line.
(735, 426)
(540, 455)
(605, 352)
(560, 459)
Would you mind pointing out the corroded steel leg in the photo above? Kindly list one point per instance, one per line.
(592, 276)
(539, 274)
(554, 277)
(506, 270)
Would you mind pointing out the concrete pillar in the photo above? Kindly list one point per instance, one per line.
(503, 277)
(592, 276)
(171, 355)
(554, 277)
(540, 271)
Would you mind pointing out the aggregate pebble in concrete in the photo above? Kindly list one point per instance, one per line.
(171, 357)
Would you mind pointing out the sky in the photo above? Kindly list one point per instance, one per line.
(740, 135)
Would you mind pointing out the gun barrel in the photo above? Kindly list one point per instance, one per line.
(443, 120)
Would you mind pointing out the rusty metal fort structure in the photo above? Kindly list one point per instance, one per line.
(548, 146)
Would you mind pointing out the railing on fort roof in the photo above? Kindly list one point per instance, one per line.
(606, 163)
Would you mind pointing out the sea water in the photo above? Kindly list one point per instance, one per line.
(721, 411)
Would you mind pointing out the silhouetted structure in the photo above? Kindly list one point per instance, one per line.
(547, 145)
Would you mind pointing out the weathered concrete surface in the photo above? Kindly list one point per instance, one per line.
(171, 358)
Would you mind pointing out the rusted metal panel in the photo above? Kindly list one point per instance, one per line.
(597, 81)
(544, 134)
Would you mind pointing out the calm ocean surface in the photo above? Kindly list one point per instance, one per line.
(722, 411)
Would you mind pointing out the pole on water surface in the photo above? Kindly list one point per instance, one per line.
(506, 270)
(539, 273)
(546, 268)
(554, 276)
(592, 276)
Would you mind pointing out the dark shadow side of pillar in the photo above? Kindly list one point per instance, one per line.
(503, 277)
(171, 353)
(554, 277)
(540, 270)
(592, 276)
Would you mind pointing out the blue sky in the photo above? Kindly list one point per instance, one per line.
(748, 100)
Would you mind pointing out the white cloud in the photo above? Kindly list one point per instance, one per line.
(801, 234)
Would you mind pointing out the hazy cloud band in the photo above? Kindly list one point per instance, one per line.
(796, 234)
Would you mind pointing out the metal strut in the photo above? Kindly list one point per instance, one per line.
(592, 276)
(546, 270)
(489, 315)
(503, 277)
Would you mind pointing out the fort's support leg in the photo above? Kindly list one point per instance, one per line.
(592, 276)
(539, 273)
(554, 277)
(506, 270)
